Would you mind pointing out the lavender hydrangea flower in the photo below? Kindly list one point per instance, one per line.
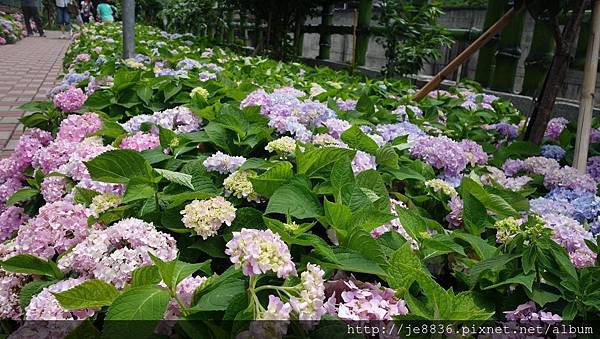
(568, 233)
(53, 188)
(506, 130)
(395, 225)
(260, 251)
(402, 112)
(555, 128)
(50, 158)
(441, 153)
(527, 312)
(58, 226)
(569, 177)
(553, 151)
(310, 304)
(44, 305)
(389, 132)
(368, 302)
(346, 105)
(498, 176)
(10, 288)
(336, 127)
(593, 167)
(10, 220)
(363, 162)
(205, 217)
(223, 163)
(70, 100)
(455, 217)
(140, 142)
(540, 165)
(475, 153)
(111, 254)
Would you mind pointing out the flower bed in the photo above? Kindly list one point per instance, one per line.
(193, 183)
(11, 28)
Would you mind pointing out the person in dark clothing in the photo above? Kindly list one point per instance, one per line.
(30, 11)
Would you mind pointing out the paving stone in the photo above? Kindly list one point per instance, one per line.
(28, 69)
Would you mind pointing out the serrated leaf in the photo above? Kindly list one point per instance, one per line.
(29, 264)
(176, 177)
(21, 195)
(118, 166)
(89, 294)
(295, 200)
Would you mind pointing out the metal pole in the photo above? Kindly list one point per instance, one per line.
(128, 8)
(588, 90)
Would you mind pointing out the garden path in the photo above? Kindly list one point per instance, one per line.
(28, 69)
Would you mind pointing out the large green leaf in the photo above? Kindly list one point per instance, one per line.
(140, 303)
(219, 298)
(296, 200)
(182, 179)
(318, 162)
(267, 183)
(492, 202)
(89, 294)
(356, 138)
(23, 194)
(119, 166)
(29, 264)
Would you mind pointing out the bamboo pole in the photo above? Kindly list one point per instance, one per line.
(325, 36)
(509, 53)
(467, 53)
(365, 12)
(584, 123)
(539, 59)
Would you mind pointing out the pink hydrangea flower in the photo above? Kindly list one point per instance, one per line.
(111, 254)
(53, 188)
(10, 288)
(44, 305)
(140, 141)
(10, 221)
(258, 251)
(76, 127)
(70, 100)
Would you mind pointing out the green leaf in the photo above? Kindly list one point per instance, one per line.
(267, 183)
(147, 303)
(145, 275)
(356, 138)
(176, 177)
(89, 294)
(341, 173)
(441, 244)
(494, 264)
(118, 166)
(521, 279)
(480, 246)
(351, 261)
(491, 202)
(296, 200)
(220, 297)
(29, 264)
(474, 214)
(318, 162)
(166, 136)
(387, 156)
(138, 188)
(365, 105)
(144, 93)
(140, 303)
(21, 195)
(84, 196)
(396, 275)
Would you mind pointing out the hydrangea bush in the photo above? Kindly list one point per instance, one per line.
(190, 182)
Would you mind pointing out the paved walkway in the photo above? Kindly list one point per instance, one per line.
(28, 69)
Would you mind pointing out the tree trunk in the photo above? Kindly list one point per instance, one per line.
(556, 74)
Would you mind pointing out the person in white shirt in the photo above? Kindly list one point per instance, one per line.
(63, 18)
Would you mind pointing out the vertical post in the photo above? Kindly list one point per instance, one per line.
(298, 35)
(243, 24)
(485, 61)
(588, 90)
(539, 58)
(582, 45)
(230, 29)
(509, 53)
(365, 13)
(325, 36)
(128, 8)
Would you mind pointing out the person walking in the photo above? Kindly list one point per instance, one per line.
(105, 11)
(63, 18)
(30, 11)
(86, 11)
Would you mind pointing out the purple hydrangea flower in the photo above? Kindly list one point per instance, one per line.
(475, 153)
(440, 152)
(390, 132)
(555, 128)
(76, 127)
(70, 100)
(10, 220)
(53, 188)
(140, 142)
(455, 217)
(593, 167)
(553, 151)
(223, 163)
(569, 177)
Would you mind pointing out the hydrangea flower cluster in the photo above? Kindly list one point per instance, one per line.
(496, 175)
(363, 162)
(540, 165)
(238, 184)
(103, 202)
(528, 312)
(140, 142)
(555, 128)
(205, 217)
(179, 119)
(57, 227)
(593, 167)
(223, 163)
(185, 291)
(10, 288)
(439, 185)
(310, 304)
(44, 306)
(402, 112)
(346, 105)
(511, 166)
(368, 302)
(258, 252)
(553, 151)
(507, 229)
(455, 217)
(75, 127)
(335, 127)
(10, 220)
(568, 233)
(111, 254)
(569, 177)
(283, 145)
(506, 130)
(389, 132)
(70, 100)
(475, 153)
(287, 113)
(442, 153)
(53, 188)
